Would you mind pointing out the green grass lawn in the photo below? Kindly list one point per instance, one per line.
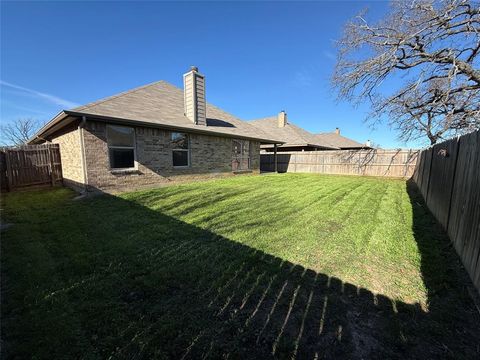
(278, 266)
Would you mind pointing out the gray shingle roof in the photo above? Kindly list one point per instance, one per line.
(338, 141)
(161, 104)
(291, 134)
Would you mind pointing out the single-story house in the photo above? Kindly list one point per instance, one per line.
(336, 140)
(297, 139)
(152, 134)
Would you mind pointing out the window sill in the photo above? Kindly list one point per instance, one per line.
(125, 172)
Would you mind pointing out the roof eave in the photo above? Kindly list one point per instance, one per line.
(41, 133)
(169, 127)
(327, 147)
(56, 120)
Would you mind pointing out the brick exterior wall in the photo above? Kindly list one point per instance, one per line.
(210, 156)
(71, 155)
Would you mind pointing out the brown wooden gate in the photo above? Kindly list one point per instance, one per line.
(30, 165)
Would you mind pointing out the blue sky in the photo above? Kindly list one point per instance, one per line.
(258, 58)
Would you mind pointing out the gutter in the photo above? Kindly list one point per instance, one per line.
(168, 127)
(81, 126)
(324, 147)
(65, 113)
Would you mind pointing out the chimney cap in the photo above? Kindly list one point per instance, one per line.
(193, 68)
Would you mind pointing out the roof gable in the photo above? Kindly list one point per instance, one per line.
(290, 133)
(338, 141)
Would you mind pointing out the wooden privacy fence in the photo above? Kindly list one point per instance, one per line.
(373, 162)
(448, 176)
(30, 165)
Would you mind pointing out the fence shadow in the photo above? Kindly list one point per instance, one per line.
(147, 285)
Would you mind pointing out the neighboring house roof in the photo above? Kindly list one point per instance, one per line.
(290, 134)
(338, 141)
(158, 104)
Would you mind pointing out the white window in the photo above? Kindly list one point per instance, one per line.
(181, 150)
(121, 147)
(240, 155)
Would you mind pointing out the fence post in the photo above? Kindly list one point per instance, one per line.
(429, 175)
(405, 169)
(52, 173)
(457, 145)
(358, 164)
(9, 170)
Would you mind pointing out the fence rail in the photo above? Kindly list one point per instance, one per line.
(30, 165)
(374, 162)
(448, 176)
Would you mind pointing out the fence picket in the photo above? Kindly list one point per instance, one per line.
(452, 168)
(30, 165)
(388, 163)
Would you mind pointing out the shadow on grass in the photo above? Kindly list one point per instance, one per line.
(124, 281)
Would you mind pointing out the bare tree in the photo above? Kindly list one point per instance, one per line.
(19, 131)
(428, 52)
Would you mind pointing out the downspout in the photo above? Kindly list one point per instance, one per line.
(81, 126)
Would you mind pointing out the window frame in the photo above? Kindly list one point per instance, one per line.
(241, 157)
(134, 148)
(179, 149)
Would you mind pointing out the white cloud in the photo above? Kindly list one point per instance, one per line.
(28, 110)
(64, 104)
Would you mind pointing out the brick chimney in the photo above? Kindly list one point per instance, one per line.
(194, 97)
(282, 119)
(337, 131)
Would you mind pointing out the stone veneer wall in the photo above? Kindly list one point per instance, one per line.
(71, 155)
(210, 156)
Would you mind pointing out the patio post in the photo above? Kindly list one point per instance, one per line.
(275, 155)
